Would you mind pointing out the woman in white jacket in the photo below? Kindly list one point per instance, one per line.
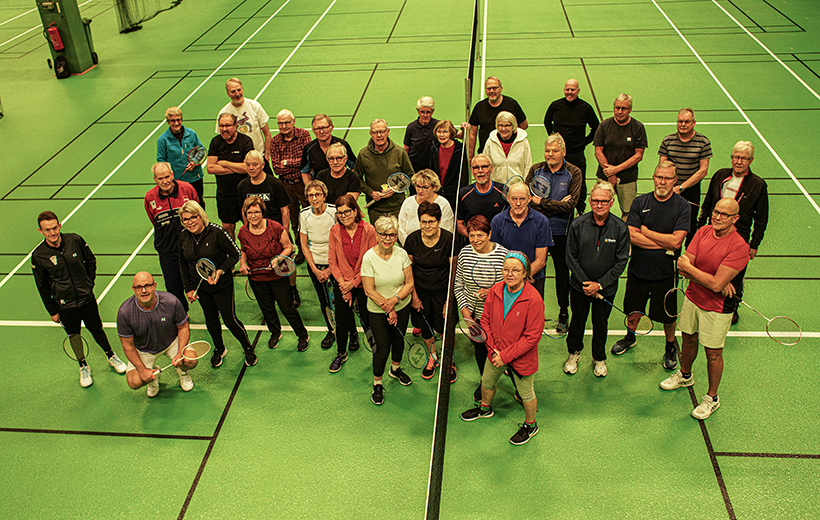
(508, 149)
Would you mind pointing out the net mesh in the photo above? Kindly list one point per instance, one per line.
(131, 13)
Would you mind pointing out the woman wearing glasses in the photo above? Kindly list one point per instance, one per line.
(427, 186)
(201, 239)
(387, 278)
(338, 178)
(513, 322)
(508, 149)
(448, 161)
(348, 242)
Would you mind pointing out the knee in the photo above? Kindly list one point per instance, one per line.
(133, 379)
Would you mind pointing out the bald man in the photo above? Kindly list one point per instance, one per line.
(150, 324)
(712, 263)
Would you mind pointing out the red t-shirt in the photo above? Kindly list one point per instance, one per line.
(352, 246)
(259, 249)
(444, 156)
(710, 253)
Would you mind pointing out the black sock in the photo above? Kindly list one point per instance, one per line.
(630, 336)
(686, 375)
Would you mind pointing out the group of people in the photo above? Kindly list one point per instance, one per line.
(395, 269)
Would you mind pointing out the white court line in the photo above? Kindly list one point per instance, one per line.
(144, 240)
(33, 28)
(742, 113)
(752, 36)
(160, 125)
(673, 123)
(18, 16)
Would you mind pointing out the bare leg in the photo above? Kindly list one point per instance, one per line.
(669, 331)
(529, 410)
(688, 352)
(714, 367)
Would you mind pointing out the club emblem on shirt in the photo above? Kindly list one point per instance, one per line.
(53, 259)
(153, 204)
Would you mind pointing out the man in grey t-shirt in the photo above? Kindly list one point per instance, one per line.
(150, 324)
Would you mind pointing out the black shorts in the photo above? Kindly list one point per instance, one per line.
(227, 208)
(639, 291)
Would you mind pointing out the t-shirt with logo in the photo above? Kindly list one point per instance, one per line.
(663, 217)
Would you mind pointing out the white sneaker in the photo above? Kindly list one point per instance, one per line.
(705, 408)
(152, 389)
(185, 382)
(677, 380)
(571, 366)
(600, 369)
(85, 376)
(117, 364)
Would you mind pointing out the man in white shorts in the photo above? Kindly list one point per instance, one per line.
(712, 263)
(150, 324)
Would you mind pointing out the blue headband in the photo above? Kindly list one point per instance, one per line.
(518, 255)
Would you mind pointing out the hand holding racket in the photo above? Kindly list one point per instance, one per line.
(197, 155)
(191, 352)
(396, 183)
(206, 270)
(635, 321)
(472, 330)
(281, 265)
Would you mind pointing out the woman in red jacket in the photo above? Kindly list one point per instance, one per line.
(513, 321)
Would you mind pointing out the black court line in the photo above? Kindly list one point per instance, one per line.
(781, 13)
(241, 25)
(746, 15)
(240, 4)
(396, 22)
(566, 16)
(109, 434)
(213, 438)
(591, 90)
(767, 455)
(801, 62)
(713, 459)
(364, 92)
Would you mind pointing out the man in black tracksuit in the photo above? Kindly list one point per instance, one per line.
(64, 271)
(597, 253)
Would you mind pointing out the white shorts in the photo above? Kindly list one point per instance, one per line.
(149, 359)
(711, 327)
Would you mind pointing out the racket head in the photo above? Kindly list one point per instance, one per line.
(540, 186)
(399, 182)
(553, 329)
(249, 290)
(197, 155)
(784, 330)
(639, 323)
(195, 350)
(76, 347)
(515, 179)
(673, 301)
(283, 265)
(472, 330)
(486, 273)
(417, 355)
(205, 268)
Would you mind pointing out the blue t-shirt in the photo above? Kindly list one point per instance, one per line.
(509, 298)
(154, 329)
(663, 217)
(533, 233)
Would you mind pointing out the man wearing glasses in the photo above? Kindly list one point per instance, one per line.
(658, 223)
(314, 158)
(751, 194)
(226, 160)
(339, 177)
(251, 118)
(482, 118)
(380, 159)
(690, 151)
(712, 262)
(150, 324)
(483, 197)
(597, 253)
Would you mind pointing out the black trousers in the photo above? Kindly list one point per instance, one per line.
(199, 186)
(345, 317)
(173, 280)
(579, 159)
(432, 311)
(580, 306)
(321, 292)
(389, 338)
(692, 194)
(558, 253)
(218, 303)
(71, 319)
(270, 293)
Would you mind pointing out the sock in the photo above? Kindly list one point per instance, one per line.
(377, 383)
(530, 424)
(83, 363)
(714, 399)
(485, 408)
(686, 375)
(670, 344)
(630, 336)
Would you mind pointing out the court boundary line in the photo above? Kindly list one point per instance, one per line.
(748, 454)
(108, 434)
(36, 26)
(740, 110)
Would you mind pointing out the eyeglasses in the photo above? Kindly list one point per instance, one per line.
(345, 213)
(599, 202)
(665, 179)
(512, 270)
(741, 159)
(336, 159)
(379, 132)
(188, 220)
(428, 222)
(389, 236)
(314, 195)
(480, 167)
(226, 126)
(285, 123)
(685, 121)
(253, 212)
(423, 187)
(622, 109)
(318, 129)
(175, 120)
(504, 125)
(492, 88)
(722, 215)
(140, 288)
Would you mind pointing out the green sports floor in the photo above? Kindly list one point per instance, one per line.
(286, 439)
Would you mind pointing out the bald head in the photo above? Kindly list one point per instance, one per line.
(728, 205)
(571, 90)
(142, 278)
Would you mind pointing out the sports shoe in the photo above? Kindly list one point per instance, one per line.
(273, 342)
(378, 394)
(85, 376)
(218, 355)
(622, 345)
(599, 368)
(477, 413)
(117, 364)
(328, 340)
(735, 317)
(453, 374)
(525, 433)
(398, 373)
(670, 358)
(185, 382)
(299, 258)
(337, 362)
(303, 344)
(563, 322)
(353, 344)
(571, 366)
(152, 388)
(297, 299)
(430, 370)
(250, 358)
(416, 331)
(706, 408)
(677, 380)
(477, 394)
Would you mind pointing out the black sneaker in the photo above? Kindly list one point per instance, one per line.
(216, 358)
(353, 345)
(378, 394)
(303, 344)
(337, 362)
(477, 413)
(735, 318)
(273, 342)
(453, 374)
(622, 345)
(670, 358)
(563, 322)
(398, 373)
(250, 358)
(328, 340)
(477, 394)
(524, 433)
(430, 369)
(297, 299)
(299, 258)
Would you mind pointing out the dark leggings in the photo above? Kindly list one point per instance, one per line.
(389, 338)
(432, 309)
(218, 303)
(345, 317)
(321, 292)
(268, 294)
(71, 318)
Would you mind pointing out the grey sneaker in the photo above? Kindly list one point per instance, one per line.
(185, 382)
(85, 376)
(571, 366)
(670, 358)
(152, 388)
(599, 368)
(677, 380)
(117, 364)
